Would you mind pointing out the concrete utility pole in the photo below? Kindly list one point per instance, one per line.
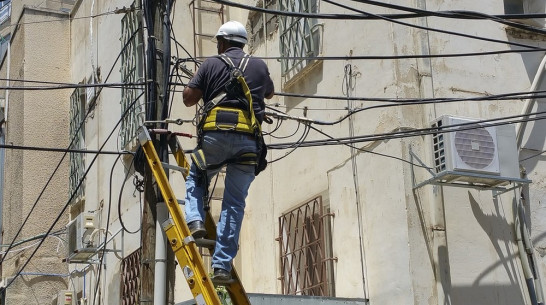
(156, 15)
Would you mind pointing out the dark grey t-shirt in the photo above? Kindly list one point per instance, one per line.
(214, 73)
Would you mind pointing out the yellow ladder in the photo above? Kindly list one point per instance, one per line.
(178, 234)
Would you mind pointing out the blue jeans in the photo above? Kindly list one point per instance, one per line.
(217, 147)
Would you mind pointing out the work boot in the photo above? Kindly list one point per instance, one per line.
(197, 229)
(221, 275)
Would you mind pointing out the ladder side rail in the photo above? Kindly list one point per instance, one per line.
(178, 232)
(235, 288)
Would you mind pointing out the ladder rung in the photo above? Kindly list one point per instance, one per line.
(204, 35)
(210, 10)
(174, 167)
(205, 243)
(222, 282)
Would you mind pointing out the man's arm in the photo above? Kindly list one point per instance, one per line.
(191, 96)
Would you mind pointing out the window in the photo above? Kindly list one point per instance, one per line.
(299, 37)
(5, 11)
(526, 7)
(77, 138)
(130, 278)
(306, 252)
(132, 71)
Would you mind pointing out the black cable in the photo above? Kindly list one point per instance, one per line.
(389, 57)
(74, 192)
(107, 227)
(362, 17)
(433, 29)
(82, 123)
(419, 132)
(369, 151)
(533, 156)
(285, 137)
(492, 97)
(295, 145)
(75, 86)
(51, 149)
(119, 202)
(455, 14)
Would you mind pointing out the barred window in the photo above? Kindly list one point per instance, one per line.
(132, 71)
(130, 278)
(306, 251)
(299, 37)
(77, 138)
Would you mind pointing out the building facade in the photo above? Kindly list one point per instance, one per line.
(365, 196)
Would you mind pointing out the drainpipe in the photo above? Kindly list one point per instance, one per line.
(160, 280)
(525, 262)
(525, 247)
(530, 103)
(6, 101)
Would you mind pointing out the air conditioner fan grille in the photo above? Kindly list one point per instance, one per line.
(475, 147)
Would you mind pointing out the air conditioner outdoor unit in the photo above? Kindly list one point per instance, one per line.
(80, 245)
(473, 153)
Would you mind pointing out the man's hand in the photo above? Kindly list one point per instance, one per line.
(191, 96)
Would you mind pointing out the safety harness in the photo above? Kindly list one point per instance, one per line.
(218, 117)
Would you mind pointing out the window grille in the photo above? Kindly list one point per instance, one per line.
(306, 253)
(132, 71)
(299, 37)
(130, 278)
(77, 136)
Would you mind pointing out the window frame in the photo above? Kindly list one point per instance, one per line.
(131, 71)
(299, 37)
(306, 255)
(77, 141)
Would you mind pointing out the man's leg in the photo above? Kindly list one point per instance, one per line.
(238, 180)
(194, 196)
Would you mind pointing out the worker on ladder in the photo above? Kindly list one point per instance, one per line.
(230, 135)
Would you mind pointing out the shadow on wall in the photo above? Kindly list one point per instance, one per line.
(445, 274)
(305, 83)
(534, 137)
(499, 230)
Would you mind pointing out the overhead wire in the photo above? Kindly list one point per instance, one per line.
(389, 57)
(487, 97)
(73, 194)
(65, 150)
(360, 16)
(29, 213)
(505, 120)
(116, 11)
(456, 14)
(107, 225)
(75, 86)
(434, 29)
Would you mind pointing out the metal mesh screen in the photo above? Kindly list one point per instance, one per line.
(132, 71)
(77, 134)
(298, 36)
(130, 279)
(306, 260)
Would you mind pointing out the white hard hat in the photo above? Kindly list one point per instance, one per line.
(233, 31)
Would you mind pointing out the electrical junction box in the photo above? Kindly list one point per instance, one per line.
(474, 153)
(66, 297)
(80, 245)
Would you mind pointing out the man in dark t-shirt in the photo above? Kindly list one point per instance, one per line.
(218, 146)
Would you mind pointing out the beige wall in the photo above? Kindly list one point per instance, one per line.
(36, 118)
